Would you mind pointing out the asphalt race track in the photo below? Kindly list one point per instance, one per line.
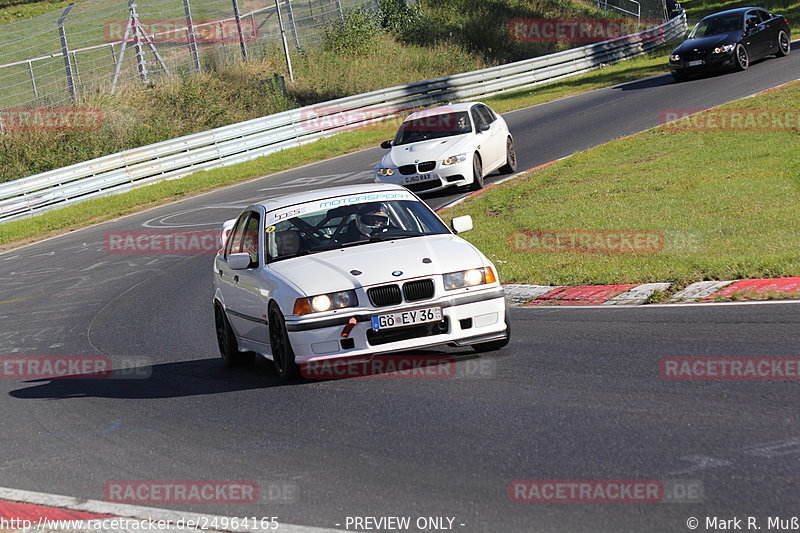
(576, 395)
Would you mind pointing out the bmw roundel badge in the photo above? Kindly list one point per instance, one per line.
(397, 273)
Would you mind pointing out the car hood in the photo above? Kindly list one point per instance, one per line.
(708, 43)
(433, 150)
(331, 271)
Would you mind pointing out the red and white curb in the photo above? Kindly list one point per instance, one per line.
(637, 294)
(699, 291)
(46, 512)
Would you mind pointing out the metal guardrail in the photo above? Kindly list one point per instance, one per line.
(255, 138)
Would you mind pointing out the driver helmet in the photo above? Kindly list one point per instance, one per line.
(372, 218)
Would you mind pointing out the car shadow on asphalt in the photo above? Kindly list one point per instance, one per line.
(166, 380)
(647, 83)
(200, 377)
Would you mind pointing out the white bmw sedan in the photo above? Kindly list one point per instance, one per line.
(450, 146)
(351, 271)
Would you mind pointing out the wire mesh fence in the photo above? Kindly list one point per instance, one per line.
(59, 57)
(645, 10)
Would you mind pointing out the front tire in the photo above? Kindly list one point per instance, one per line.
(492, 346)
(742, 57)
(511, 158)
(226, 340)
(784, 45)
(282, 353)
(477, 173)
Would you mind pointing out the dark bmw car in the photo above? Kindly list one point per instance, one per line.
(731, 40)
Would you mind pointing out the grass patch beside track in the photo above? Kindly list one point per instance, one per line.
(17, 10)
(697, 9)
(726, 205)
(93, 211)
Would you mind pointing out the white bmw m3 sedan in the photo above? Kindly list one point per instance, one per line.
(449, 146)
(351, 271)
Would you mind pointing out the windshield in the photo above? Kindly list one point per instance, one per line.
(433, 127)
(343, 226)
(717, 26)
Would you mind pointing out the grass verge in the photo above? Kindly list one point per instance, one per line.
(23, 231)
(17, 10)
(724, 203)
(697, 9)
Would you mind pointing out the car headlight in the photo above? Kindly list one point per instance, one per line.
(675, 57)
(469, 278)
(385, 171)
(325, 302)
(724, 48)
(453, 159)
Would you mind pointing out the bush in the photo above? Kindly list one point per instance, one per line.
(401, 20)
(354, 34)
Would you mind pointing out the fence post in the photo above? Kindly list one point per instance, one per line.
(192, 37)
(340, 10)
(65, 51)
(137, 42)
(292, 24)
(238, 18)
(33, 79)
(378, 6)
(285, 44)
(75, 68)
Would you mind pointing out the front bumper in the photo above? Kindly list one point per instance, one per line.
(441, 177)
(710, 62)
(469, 317)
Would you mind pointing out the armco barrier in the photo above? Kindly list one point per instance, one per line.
(262, 136)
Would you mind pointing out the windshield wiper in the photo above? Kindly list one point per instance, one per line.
(378, 238)
(392, 237)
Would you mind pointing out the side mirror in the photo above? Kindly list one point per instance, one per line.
(484, 127)
(461, 224)
(386, 144)
(239, 261)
